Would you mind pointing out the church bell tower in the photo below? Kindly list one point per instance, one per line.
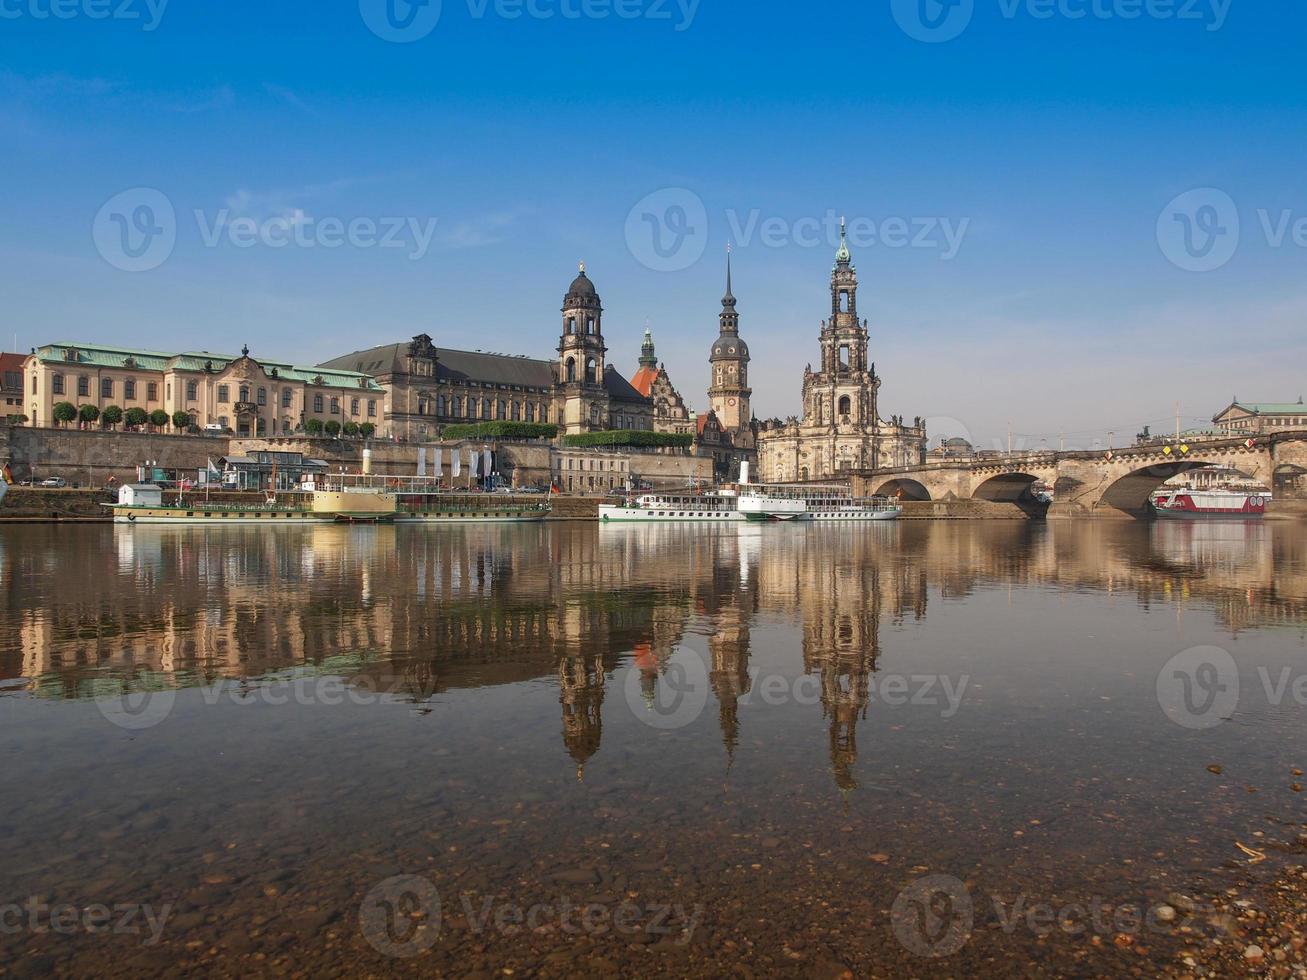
(581, 351)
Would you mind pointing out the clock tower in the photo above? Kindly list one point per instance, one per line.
(729, 391)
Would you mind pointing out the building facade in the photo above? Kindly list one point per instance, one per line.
(11, 384)
(1259, 418)
(248, 396)
(841, 428)
(427, 387)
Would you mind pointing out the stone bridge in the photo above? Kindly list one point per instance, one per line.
(1107, 483)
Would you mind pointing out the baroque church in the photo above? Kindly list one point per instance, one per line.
(841, 428)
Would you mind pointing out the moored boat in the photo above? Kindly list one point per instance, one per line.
(1197, 504)
(143, 503)
(683, 505)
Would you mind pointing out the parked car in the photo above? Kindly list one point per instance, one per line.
(56, 482)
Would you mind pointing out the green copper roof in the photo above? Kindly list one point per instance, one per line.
(843, 254)
(101, 355)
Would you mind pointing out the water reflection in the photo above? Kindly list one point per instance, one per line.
(420, 613)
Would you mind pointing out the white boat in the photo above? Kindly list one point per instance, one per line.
(754, 502)
(681, 505)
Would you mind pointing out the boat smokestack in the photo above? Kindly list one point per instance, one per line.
(744, 471)
(367, 462)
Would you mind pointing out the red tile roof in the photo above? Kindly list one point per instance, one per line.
(644, 379)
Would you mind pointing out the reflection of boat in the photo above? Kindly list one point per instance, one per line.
(1197, 504)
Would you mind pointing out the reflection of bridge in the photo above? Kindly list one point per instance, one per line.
(1107, 482)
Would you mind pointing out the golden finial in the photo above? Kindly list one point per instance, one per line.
(582, 268)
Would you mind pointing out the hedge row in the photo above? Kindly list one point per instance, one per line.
(503, 430)
(630, 437)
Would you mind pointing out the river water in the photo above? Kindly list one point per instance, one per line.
(913, 749)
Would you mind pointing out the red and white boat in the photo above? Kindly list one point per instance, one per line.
(1190, 504)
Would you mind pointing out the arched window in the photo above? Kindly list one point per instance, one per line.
(845, 405)
(485, 408)
(571, 369)
(590, 370)
(458, 407)
(501, 410)
(544, 413)
(516, 412)
(530, 412)
(245, 393)
(441, 404)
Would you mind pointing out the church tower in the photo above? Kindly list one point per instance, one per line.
(584, 404)
(729, 390)
(850, 395)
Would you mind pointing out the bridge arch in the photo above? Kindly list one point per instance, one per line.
(1289, 480)
(1130, 492)
(904, 488)
(1006, 488)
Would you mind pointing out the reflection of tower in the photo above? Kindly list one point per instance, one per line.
(729, 677)
(841, 645)
(581, 686)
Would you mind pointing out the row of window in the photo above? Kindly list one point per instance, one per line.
(459, 407)
(594, 464)
(355, 406)
(130, 391)
(107, 388)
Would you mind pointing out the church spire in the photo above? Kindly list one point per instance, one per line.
(729, 299)
(647, 357)
(729, 317)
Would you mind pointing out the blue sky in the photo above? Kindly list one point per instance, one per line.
(496, 151)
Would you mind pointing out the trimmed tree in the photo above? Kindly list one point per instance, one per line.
(350, 429)
(158, 418)
(366, 430)
(181, 420)
(64, 412)
(88, 414)
(136, 417)
(313, 427)
(500, 429)
(111, 415)
(18, 419)
(333, 428)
